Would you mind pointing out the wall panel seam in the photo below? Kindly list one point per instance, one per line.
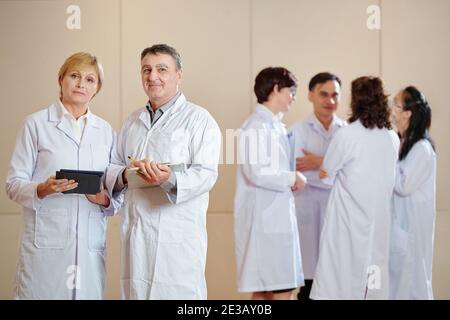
(380, 41)
(250, 54)
(121, 111)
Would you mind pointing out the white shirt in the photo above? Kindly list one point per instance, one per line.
(77, 124)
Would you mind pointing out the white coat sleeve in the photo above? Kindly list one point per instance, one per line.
(201, 175)
(414, 170)
(260, 164)
(116, 198)
(338, 154)
(115, 168)
(19, 185)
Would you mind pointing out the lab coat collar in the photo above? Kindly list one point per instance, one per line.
(164, 107)
(265, 113)
(56, 114)
(316, 124)
(145, 115)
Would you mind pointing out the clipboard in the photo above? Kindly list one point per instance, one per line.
(89, 182)
(135, 182)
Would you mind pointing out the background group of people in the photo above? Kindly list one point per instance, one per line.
(324, 200)
(348, 211)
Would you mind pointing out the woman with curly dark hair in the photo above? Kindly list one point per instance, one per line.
(360, 165)
(414, 201)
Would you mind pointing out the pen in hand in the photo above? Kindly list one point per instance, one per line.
(124, 176)
(132, 160)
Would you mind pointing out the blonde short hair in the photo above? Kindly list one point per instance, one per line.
(81, 59)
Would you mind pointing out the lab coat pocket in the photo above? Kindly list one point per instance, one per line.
(97, 231)
(100, 154)
(174, 147)
(51, 228)
(158, 147)
(277, 217)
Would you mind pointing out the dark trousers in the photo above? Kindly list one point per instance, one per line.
(304, 292)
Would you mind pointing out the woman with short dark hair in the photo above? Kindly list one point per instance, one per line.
(414, 201)
(360, 166)
(265, 225)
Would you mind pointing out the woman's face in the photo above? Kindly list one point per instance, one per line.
(283, 98)
(79, 85)
(400, 116)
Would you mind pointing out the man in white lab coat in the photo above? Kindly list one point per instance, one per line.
(163, 227)
(311, 138)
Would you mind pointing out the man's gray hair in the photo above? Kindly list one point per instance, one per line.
(163, 49)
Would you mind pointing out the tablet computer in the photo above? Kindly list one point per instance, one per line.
(89, 182)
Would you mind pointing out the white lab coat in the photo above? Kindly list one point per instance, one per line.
(413, 220)
(354, 244)
(265, 227)
(60, 231)
(163, 235)
(311, 203)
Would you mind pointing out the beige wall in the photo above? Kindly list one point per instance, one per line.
(224, 43)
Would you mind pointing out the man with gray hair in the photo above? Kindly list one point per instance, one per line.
(172, 147)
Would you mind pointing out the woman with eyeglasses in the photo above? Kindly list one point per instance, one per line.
(265, 226)
(414, 200)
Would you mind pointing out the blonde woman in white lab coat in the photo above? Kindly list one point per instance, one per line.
(62, 248)
(266, 237)
(360, 164)
(414, 200)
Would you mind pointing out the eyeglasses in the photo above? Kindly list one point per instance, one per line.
(293, 91)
